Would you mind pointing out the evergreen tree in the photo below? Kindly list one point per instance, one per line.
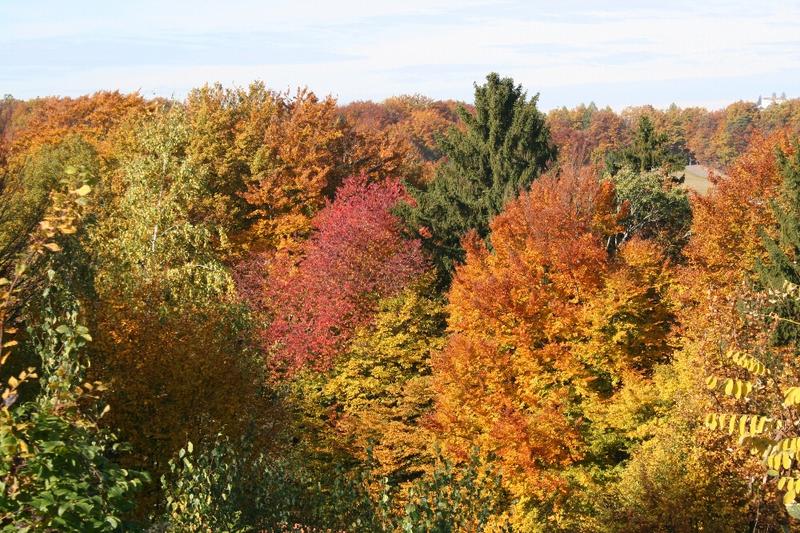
(649, 150)
(781, 272)
(504, 145)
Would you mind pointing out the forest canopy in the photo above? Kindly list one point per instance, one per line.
(264, 310)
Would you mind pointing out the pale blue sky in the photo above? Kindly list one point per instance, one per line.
(697, 52)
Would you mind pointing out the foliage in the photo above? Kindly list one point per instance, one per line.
(725, 239)
(26, 193)
(225, 133)
(757, 374)
(464, 499)
(221, 488)
(585, 134)
(648, 151)
(380, 386)
(716, 287)
(549, 335)
(257, 281)
(58, 468)
(357, 256)
(306, 154)
(501, 334)
(231, 488)
(47, 121)
(412, 124)
(169, 328)
(672, 484)
(503, 147)
(656, 209)
(780, 272)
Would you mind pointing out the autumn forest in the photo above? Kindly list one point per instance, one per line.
(261, 310)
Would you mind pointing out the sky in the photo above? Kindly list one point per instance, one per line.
(693, 53)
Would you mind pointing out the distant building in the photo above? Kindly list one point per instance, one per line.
(766, 101)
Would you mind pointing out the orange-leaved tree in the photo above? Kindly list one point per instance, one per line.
(546, 328)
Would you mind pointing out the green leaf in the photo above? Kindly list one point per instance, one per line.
(793, 509)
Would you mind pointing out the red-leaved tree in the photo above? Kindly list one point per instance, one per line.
(356, 256)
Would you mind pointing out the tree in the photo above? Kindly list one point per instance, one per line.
(649, 150)
(713, 288)
(781, 271)
(58, 468)
(507, 379)
(552, 348)
(25, 194)
(504, 145)
(226, 131)
(171, 336)
(48, 120)
(357, 256)
(585, 134)
(306, 153)
(380, 387)
(655, 208)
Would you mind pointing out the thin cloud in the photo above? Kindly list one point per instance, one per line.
(359, 50)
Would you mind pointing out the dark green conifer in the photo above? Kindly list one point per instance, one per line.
(781, 272)
(649, 150)
(503, 146)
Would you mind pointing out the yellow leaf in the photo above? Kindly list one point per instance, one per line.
(83, 191)
(53, 247)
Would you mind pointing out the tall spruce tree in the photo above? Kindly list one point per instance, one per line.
(781, 271)
(504, 146)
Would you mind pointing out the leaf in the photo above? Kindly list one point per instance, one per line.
(53, 247)
(793, 509)
(83, 191)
